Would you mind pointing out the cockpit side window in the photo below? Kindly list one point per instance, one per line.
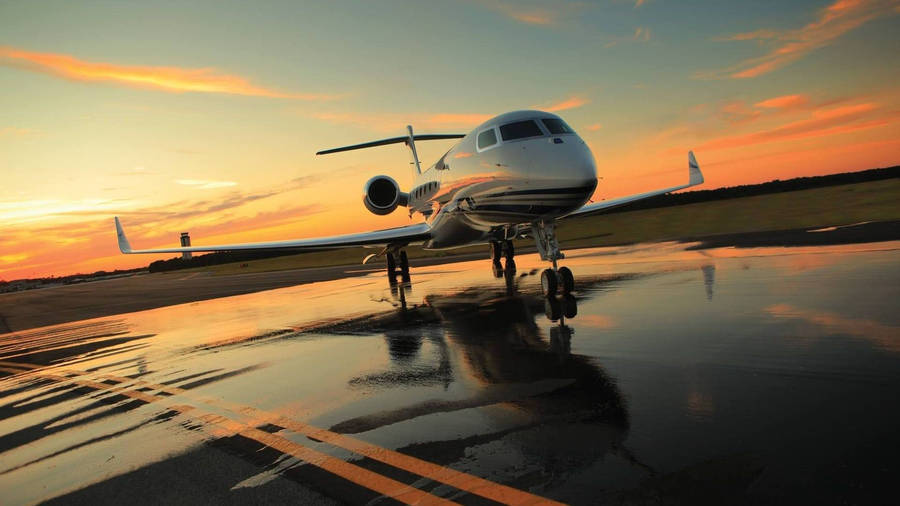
(520, 130)
(557, 126)
(487, 138)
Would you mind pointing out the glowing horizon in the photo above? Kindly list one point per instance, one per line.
(181, 126)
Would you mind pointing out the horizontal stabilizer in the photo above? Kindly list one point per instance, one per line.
(392, 140)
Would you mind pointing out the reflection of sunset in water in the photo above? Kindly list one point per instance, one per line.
(885, 337)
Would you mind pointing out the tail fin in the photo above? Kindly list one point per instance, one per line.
(411, 144)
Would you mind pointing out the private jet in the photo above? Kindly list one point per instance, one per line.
(514, 176)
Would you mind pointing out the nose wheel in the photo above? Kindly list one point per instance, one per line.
(555, 279)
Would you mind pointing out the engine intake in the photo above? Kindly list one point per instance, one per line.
(382, 195)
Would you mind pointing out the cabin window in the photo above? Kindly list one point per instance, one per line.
(557, 126)
(520, 130)
(487, 138)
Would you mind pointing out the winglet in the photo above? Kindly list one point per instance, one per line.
(696, 177)
(124, 247)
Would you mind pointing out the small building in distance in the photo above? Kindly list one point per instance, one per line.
(185, 243)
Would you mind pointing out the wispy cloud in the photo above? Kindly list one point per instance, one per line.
(594, 127)
(529, 12)
(387, 122)
(822, 122)
(16, 131)
(784, 102)
(137, 171)
(788, 46)
(573, 102)
(170, 79)
(202, 184)
(18, 212)
(641, 33)
(737, 112)
(456, 119)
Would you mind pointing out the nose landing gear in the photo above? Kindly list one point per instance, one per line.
(556, 279)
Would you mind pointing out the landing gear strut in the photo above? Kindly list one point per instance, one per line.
(392, 266)
(503, 249)
(556, 279)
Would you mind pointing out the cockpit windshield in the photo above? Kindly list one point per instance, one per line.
(557, 126)
(520, 130)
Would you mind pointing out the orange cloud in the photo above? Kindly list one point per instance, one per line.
(572, 102)
(641, 33)
(737, 112)
(784, 102)
(789, 46)
(825, 122)
(594, 127)
(531, 14)
(15, 131)
(450, 119)
(170, 79)
(389, 122)
(202, 184)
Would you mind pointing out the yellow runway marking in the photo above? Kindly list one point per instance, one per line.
(356, 474)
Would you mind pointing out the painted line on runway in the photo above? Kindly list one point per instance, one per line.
(388, 487)
(456, 479)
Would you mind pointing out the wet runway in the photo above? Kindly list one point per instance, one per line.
(758, 376)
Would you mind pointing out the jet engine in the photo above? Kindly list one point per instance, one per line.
(382, 195)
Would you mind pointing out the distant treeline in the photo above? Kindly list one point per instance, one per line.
(27, 284)
(208, 259)
(750, 190)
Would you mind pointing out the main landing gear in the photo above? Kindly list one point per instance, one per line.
(392, 266)
(503, 249)
(556, 279)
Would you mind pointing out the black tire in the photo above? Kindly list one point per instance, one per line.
(569, 306)
(404, 264)
(567, 280)
(496, 252)
(549, 283)
(510, 250)
(552, 309)
(391, 265)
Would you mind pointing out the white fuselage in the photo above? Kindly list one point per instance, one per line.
(481, 191)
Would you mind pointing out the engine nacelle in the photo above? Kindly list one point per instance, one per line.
(382, 195)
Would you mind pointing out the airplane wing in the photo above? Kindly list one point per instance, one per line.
(695, 177)
(392, 236)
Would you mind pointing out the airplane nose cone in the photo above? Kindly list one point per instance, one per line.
(583, 165)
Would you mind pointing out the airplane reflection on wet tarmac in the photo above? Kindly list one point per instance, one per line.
(507, 354)
(463, 392)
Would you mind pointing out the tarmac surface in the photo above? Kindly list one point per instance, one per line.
(673, 376)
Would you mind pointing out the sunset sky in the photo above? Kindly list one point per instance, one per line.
(205, 116)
